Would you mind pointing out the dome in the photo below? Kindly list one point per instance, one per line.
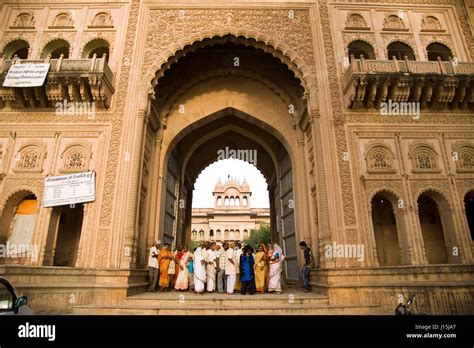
(219, 187)
(245, 186)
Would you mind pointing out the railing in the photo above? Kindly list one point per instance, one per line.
(76, 80)
(434, 84)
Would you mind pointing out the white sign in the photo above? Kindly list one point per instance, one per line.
(69, 189)
(26, 75)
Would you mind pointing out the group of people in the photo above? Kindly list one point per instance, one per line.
(212, 267)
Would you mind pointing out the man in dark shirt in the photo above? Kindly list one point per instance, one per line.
(308, 263)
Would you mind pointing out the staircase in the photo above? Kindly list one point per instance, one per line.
(187, 303)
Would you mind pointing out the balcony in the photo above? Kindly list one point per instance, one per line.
(74, 80)
(435, 85)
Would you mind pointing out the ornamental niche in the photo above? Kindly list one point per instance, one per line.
(30, 157)
(379, 159)
(463, 155)
(76, 157)
(424, 158)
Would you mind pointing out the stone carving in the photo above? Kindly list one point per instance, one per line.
(338, 118)
(25, 20)
(463, 154)
(76, 157)
(379, 158)
(102, 20)
(424, 157)
(173, 30)
(30, 157)
(356, 21)
(114, 146)
(430, 23)
(63, 20)
(393, 22)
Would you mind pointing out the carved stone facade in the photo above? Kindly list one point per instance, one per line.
(293, 92)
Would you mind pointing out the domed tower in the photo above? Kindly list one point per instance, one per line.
(245, 195)
(218, 194)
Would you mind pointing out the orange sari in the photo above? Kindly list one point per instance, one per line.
(164, 264)
(260, 270)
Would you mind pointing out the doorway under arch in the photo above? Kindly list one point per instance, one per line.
(386, 231)
(433, 229)
(191, 154)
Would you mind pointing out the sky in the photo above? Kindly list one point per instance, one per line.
(238, 169)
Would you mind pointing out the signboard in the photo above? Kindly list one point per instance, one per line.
(26, 75)
(69, 189)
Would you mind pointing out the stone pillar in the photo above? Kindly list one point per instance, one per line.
(129, 242)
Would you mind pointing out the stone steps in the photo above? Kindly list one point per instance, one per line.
(175, 303)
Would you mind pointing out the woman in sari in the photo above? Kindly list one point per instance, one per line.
(164, 258)
(177, 257)
(260, 268)
(274, 274)
(182, 279)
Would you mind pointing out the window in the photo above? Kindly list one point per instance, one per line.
(356, 21)
(393, 22)
(99, 47)
(400, 50)
(379, 159)
(435, 50)
(360, 48)
(55, 48)
(19, 48)
(424, 158)
(431, 23)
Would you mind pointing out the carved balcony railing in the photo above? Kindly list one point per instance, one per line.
(73, 80)
(433, 84)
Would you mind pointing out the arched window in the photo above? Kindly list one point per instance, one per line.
(23, 222)
(76, 158)
(424, 158)
(226, 201)
(99, 47)
(379, 159)
(102, 20)
(435, 50)
(19, 48)
(360, 48)
(245, 234)
(355, 21)
(211, 233)
(244, 201)
(30, 157)
(237, 201)
(386, 231)
(194, 235)
(432, 230)
(219, 201)
(226, 234)
(232, 200)
(63, 20)
(55, 48)
(430, 23)
(201, 235)
(400, 50)
(218, 234)
(24, 20)
(393, 22)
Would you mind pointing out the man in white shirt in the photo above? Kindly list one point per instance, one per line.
(153, 266)
(211, 268)
(229, 267)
